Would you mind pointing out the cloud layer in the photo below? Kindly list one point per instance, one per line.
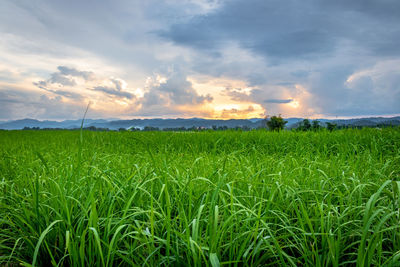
(225, 59)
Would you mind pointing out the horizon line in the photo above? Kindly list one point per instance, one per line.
(224, 119)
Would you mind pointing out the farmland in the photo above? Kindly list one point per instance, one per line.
(253, 198)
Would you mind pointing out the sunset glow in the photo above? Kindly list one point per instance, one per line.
(294, 104)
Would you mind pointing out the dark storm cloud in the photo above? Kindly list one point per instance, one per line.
(294, 29)
(272, 28)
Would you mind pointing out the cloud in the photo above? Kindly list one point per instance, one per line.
(176, 90)
(119, 84)
(66, 76)
(269, 28)
(45, 85)
(374, 90)
(292, 29)
(18, 103)
(242, 112)
(86, 75)
(62, 79)
(238, 94)
(278, 101)
(265, 49)
(114, 91)
(316, 45)
(172, 94)
(59, 80)
(234, 112)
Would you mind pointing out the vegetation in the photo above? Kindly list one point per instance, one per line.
(304, 125)
(276, 123)
(316, 126)
(330, 126)
(235, 198)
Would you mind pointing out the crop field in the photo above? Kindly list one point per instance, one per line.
(223, 198)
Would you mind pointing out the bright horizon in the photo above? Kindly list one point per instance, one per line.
(199, 58)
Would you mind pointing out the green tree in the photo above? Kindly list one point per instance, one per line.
(315, 125)
(276, 123)
(330, 126)
(305, 125)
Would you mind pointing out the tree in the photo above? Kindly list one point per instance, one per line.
(276, 123)
(330, 126)
(305, 125)
(315, 125)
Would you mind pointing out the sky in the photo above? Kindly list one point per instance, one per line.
(218, 59)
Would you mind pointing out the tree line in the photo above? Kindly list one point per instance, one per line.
(273, 123)
(277, 123)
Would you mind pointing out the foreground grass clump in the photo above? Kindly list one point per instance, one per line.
(198, 199)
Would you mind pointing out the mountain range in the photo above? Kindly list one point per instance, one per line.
(187, 123)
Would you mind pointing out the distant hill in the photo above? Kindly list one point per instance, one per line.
(187, 123)
(137, 123)
(372, 121)
(67, 124)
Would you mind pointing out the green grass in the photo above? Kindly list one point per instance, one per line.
(200, 199)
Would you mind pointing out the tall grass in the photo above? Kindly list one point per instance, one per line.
(200, 199)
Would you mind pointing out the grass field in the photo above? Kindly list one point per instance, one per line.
(200, 198)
